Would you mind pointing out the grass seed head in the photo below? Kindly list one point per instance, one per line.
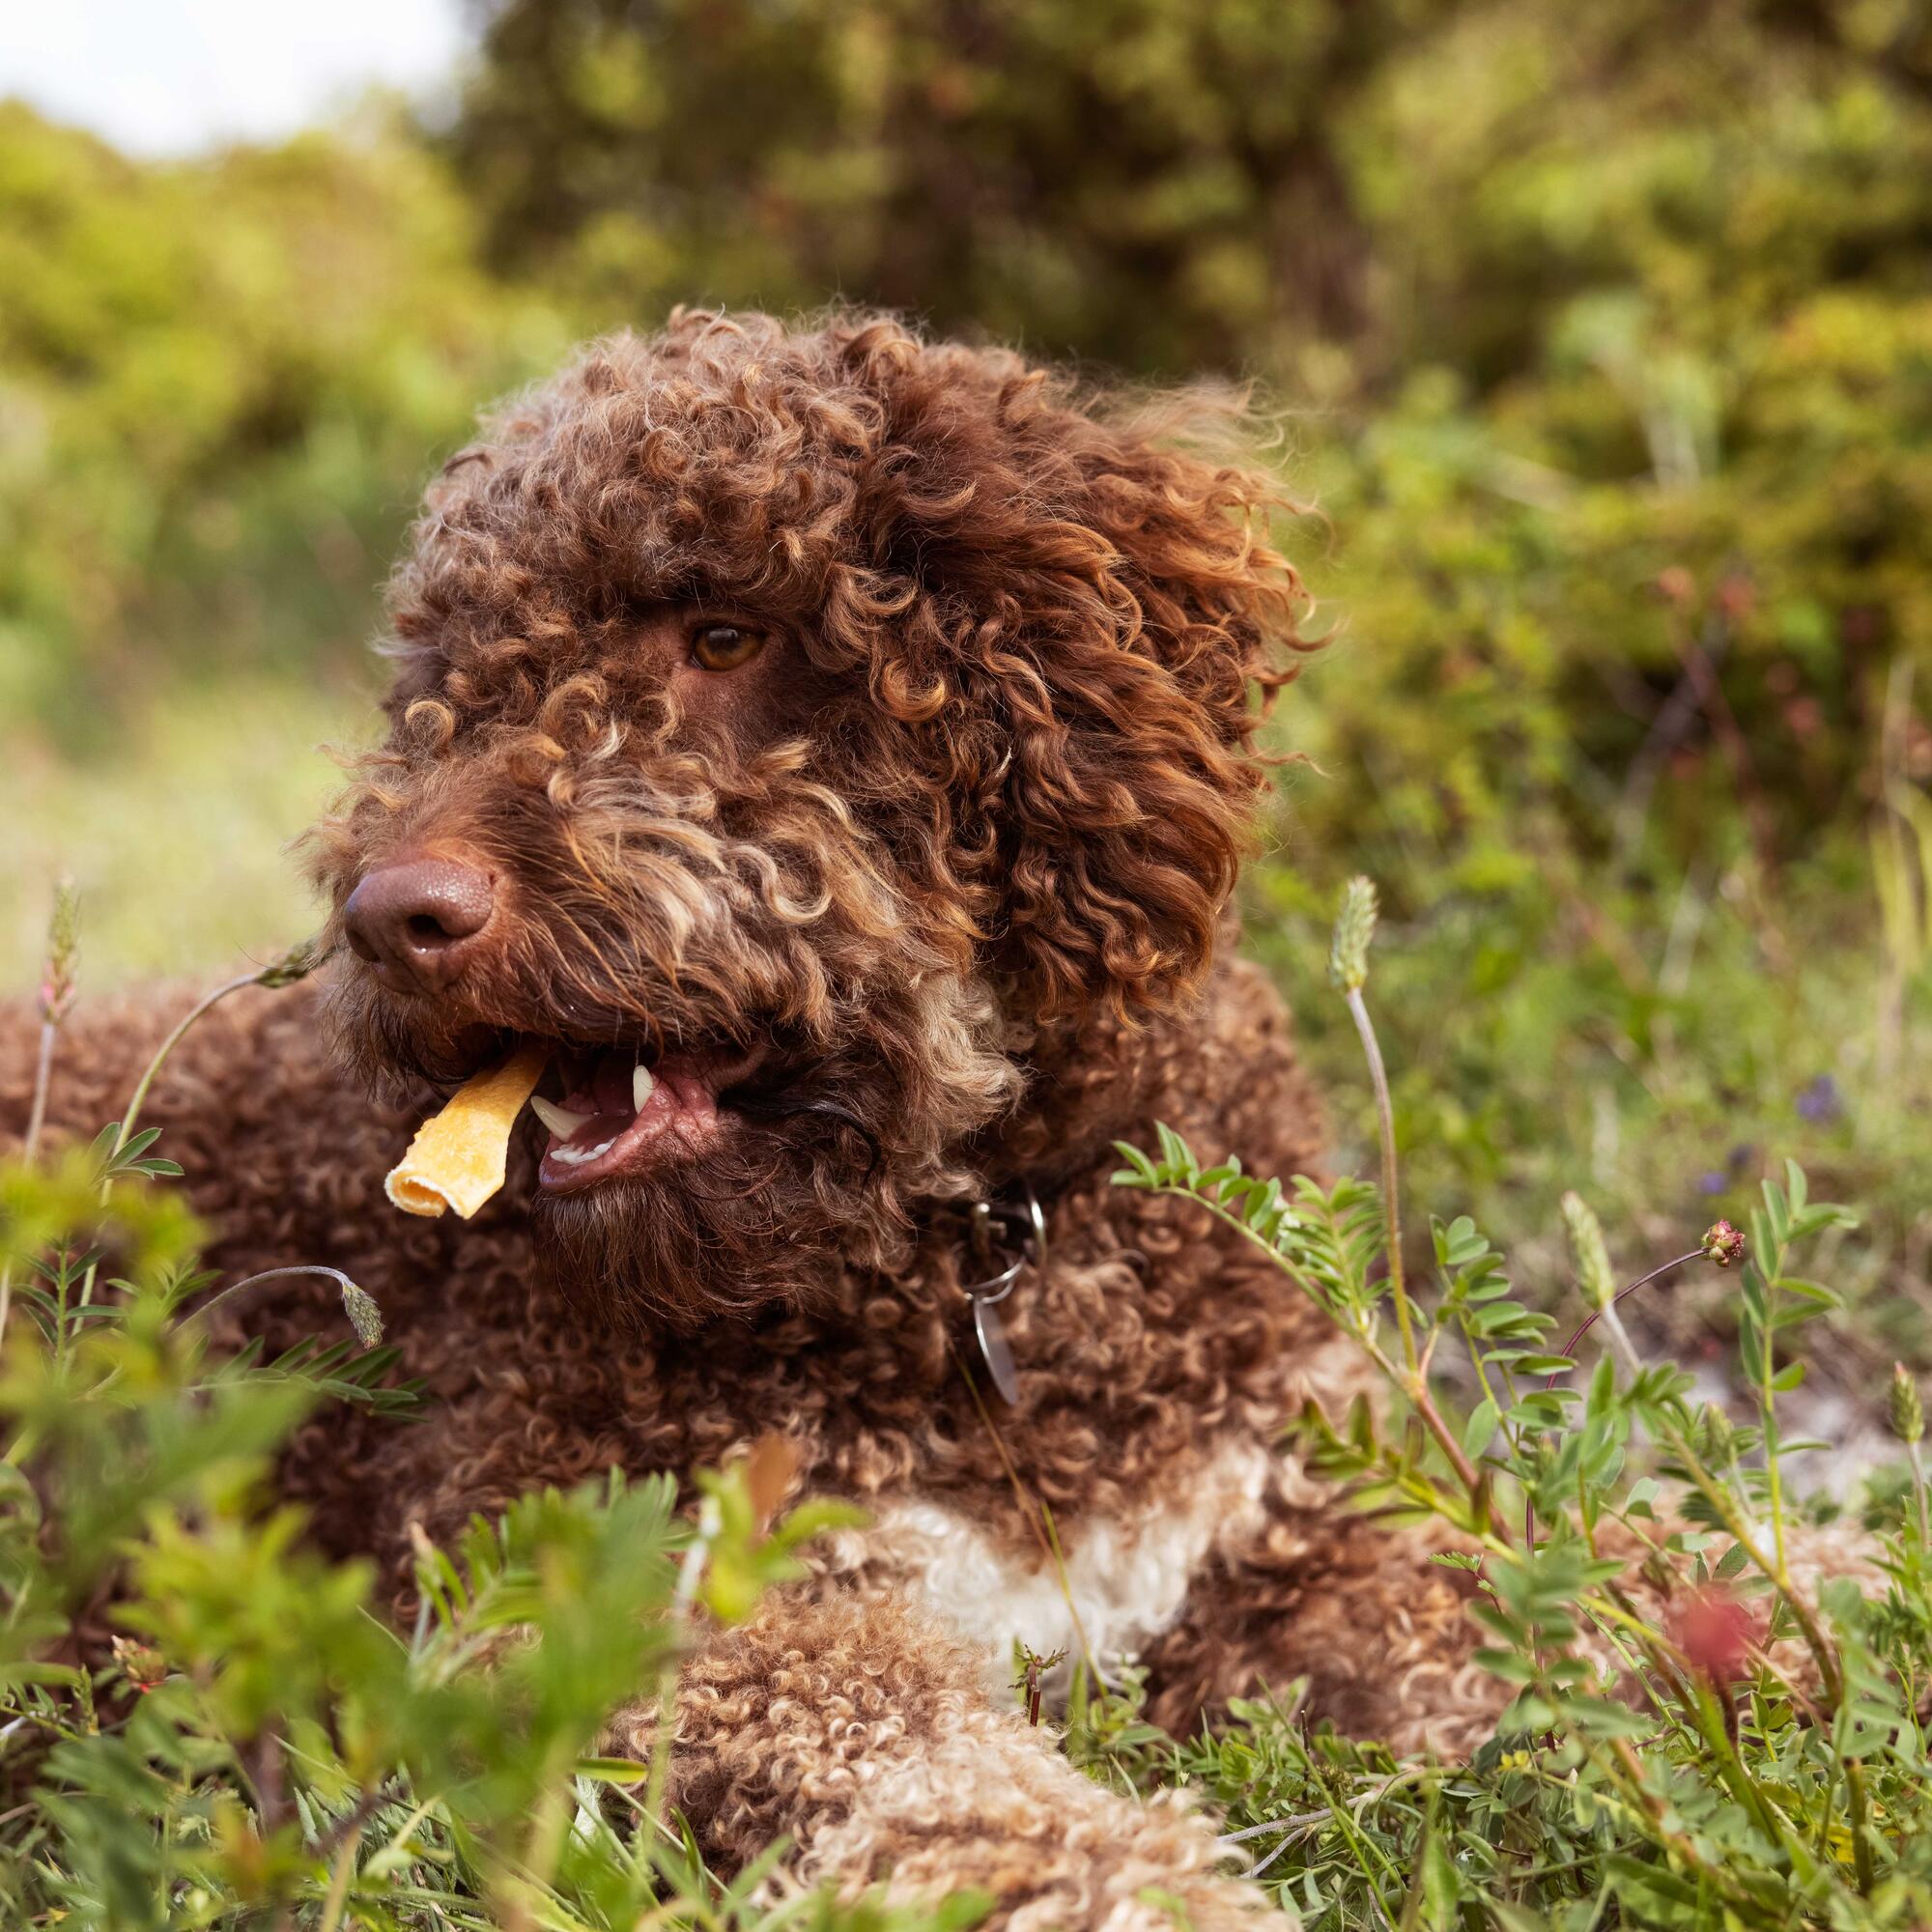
(1587, 1251)
(1906, 1406)
(1355, 929)
(59, 978)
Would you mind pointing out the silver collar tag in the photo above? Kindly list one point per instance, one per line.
(997, 1228)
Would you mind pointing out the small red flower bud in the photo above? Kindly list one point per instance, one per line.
(1735, 597)
(1723, 1243)
(1676, 585)
(143, 1666)
(1716, 1631)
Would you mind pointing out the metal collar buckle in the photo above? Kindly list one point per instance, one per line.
(995, 1227)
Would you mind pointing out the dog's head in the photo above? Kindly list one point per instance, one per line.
(792, 728)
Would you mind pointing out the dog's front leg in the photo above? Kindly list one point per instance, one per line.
(861, 1731)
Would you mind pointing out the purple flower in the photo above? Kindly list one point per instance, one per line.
(1711, 1182)
(1821, 1102)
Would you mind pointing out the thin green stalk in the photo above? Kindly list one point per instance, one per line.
(1815, 1641)
(690, 1574)
(126, 1131)
(339, 1881)
(1391, 1202)
(1719, 1496)
(37, 1117)
(1743, 1786)
(1416, 1391)
(1860, 1822)
(1361, 1848)
(357, 1301)
(56, 997)
(297, 963)
(1773, 1566)
(1654, 1808)
(1607, 1314)
(1919, 1493)
(1767, 1413)
(44, 1070)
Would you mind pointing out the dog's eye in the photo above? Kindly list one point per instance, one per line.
(724, 646)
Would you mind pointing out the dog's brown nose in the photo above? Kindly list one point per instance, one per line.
(418, 922)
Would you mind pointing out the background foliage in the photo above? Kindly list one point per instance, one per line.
(1602, 338)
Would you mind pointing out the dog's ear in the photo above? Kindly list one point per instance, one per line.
(1093, 627)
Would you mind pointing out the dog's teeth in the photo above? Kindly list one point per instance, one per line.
(570, 1156)
(560, 1121)
(641, 1084)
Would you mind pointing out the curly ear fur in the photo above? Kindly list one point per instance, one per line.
(1075, 611)
(1047, 613)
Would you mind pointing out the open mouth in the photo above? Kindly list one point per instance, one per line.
(629, 1110)
(619, 1113)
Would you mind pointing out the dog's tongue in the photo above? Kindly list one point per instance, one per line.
(616, 1086)
(611, 1096)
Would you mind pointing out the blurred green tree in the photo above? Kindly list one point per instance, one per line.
(1159, 185)
(221, 383)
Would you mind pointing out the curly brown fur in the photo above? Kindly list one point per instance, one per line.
(855, 1727)
(999, 778)
(922, 897)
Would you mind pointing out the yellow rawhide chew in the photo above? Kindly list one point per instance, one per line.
(457, 1157)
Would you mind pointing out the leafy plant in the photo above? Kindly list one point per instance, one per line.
(205, 1722)
(255, 1739)
(1688, 1768)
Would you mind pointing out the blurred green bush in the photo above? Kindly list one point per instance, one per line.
(1568, 306)
(221, 383)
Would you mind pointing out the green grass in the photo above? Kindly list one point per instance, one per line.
(175, 835)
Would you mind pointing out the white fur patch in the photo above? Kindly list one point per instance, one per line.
(1126, 1576)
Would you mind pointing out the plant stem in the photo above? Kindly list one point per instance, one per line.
(1861, 1861)
(1719, 1498)
(689, 1574)
(37, 1117)
(1391, 1203)
(1774, 1564)
(339, 1881)
(250, 1281)
(1654, 1808)
(1815, 1641)
(1405, 1379)
(1767, 1414)
(43, 1071)
(1589, 1322)
(126, 1131)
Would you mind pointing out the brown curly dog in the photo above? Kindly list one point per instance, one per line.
(837, 747)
